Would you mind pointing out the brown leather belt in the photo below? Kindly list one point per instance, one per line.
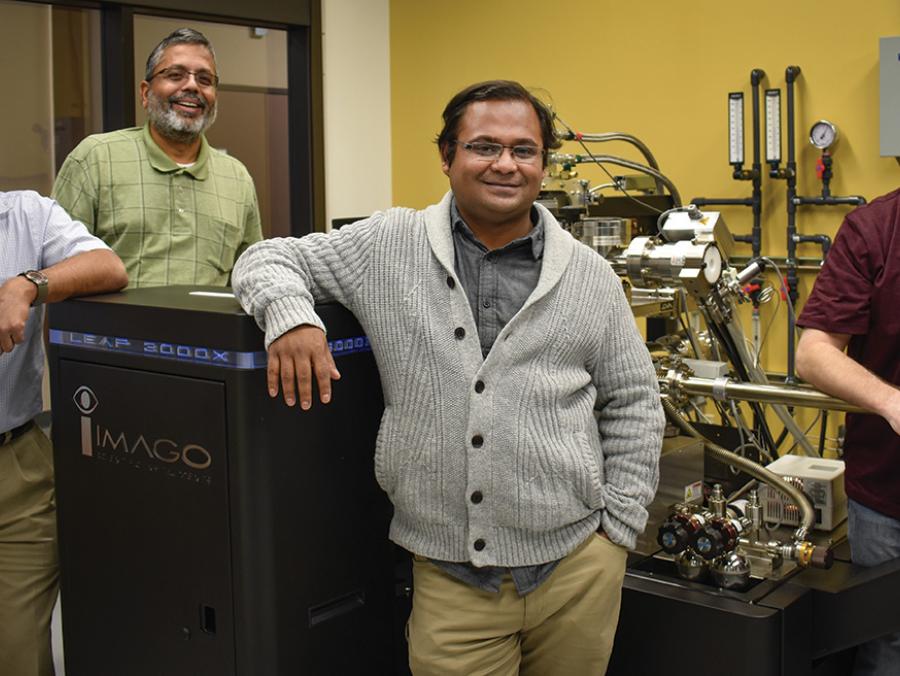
(15, 433)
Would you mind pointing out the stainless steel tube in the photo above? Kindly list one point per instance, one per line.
(768, 394)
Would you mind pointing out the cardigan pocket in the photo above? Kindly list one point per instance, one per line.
(397, 454)
(385, 459)
(417, 487)
(591, 482)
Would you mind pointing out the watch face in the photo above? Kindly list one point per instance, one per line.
(36, 276)
(39, 279)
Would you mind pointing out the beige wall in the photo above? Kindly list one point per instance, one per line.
(26, 147)
(357, 107)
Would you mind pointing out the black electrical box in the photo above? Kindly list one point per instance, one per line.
(205, 528)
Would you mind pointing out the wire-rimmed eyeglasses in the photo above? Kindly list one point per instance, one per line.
(179, 74)
(490, 152)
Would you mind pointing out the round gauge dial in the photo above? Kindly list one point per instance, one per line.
(712, 264)
(823, 134)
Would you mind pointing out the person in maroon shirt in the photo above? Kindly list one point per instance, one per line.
(855, 305)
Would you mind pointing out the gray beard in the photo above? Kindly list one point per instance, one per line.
(172, 125)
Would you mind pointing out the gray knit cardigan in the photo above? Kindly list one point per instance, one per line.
(549, 469)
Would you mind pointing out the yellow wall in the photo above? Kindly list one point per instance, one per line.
(661, 71)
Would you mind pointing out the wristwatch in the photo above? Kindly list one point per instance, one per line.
(39, 279)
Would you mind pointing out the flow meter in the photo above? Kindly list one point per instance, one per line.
(736, 129)
(773, 126)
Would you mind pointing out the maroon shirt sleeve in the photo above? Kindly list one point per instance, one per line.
(841, 300)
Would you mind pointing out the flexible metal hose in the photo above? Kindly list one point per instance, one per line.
(757, 471)
(622, 162)
(633, 140)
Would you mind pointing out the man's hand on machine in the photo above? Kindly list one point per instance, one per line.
(296, 357)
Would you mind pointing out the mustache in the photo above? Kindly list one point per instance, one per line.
(189, 96)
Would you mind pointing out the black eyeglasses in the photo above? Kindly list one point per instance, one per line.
(179, 74)
(490, 152)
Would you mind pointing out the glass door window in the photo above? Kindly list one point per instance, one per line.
(252, 120)
(50, 60)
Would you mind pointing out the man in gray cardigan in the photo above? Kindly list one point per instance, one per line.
(522, 425)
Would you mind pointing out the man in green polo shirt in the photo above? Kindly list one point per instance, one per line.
(175, 210)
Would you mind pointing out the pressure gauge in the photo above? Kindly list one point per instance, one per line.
(712, 264)
(823, 134)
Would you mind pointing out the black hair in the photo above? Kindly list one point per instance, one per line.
(492, 90)
(182, 36)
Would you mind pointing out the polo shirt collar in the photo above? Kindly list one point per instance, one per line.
(5, 204)
(162, 162)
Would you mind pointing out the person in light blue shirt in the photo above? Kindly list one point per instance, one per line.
(45, 257)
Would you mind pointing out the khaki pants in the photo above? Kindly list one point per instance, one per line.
(28, 559)
(564, 627)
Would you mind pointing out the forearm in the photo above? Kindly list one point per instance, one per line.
(278, 281)
(630, 423)
(630, 429)
(98, 271)
(831, 370)
(272, 282)
(89, 272)
(631, 468)
(86, 273)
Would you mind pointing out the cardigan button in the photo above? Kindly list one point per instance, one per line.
(477, 497)
(460, 333)
(451, 282)
(479, 544)
(478, 441)
(479, 386)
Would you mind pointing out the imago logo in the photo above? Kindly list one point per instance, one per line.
(97, 439)
(86, 402)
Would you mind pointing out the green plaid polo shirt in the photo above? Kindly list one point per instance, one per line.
(169, 224)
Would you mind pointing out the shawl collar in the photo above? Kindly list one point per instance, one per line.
(559, 246)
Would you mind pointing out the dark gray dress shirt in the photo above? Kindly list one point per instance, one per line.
(497, 284)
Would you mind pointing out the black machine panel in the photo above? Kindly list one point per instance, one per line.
(145, 544)
(204, 527)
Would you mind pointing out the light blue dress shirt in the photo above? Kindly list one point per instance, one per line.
(35, 233)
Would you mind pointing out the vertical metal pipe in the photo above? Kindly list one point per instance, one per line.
(790, 75)
(756, 76)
